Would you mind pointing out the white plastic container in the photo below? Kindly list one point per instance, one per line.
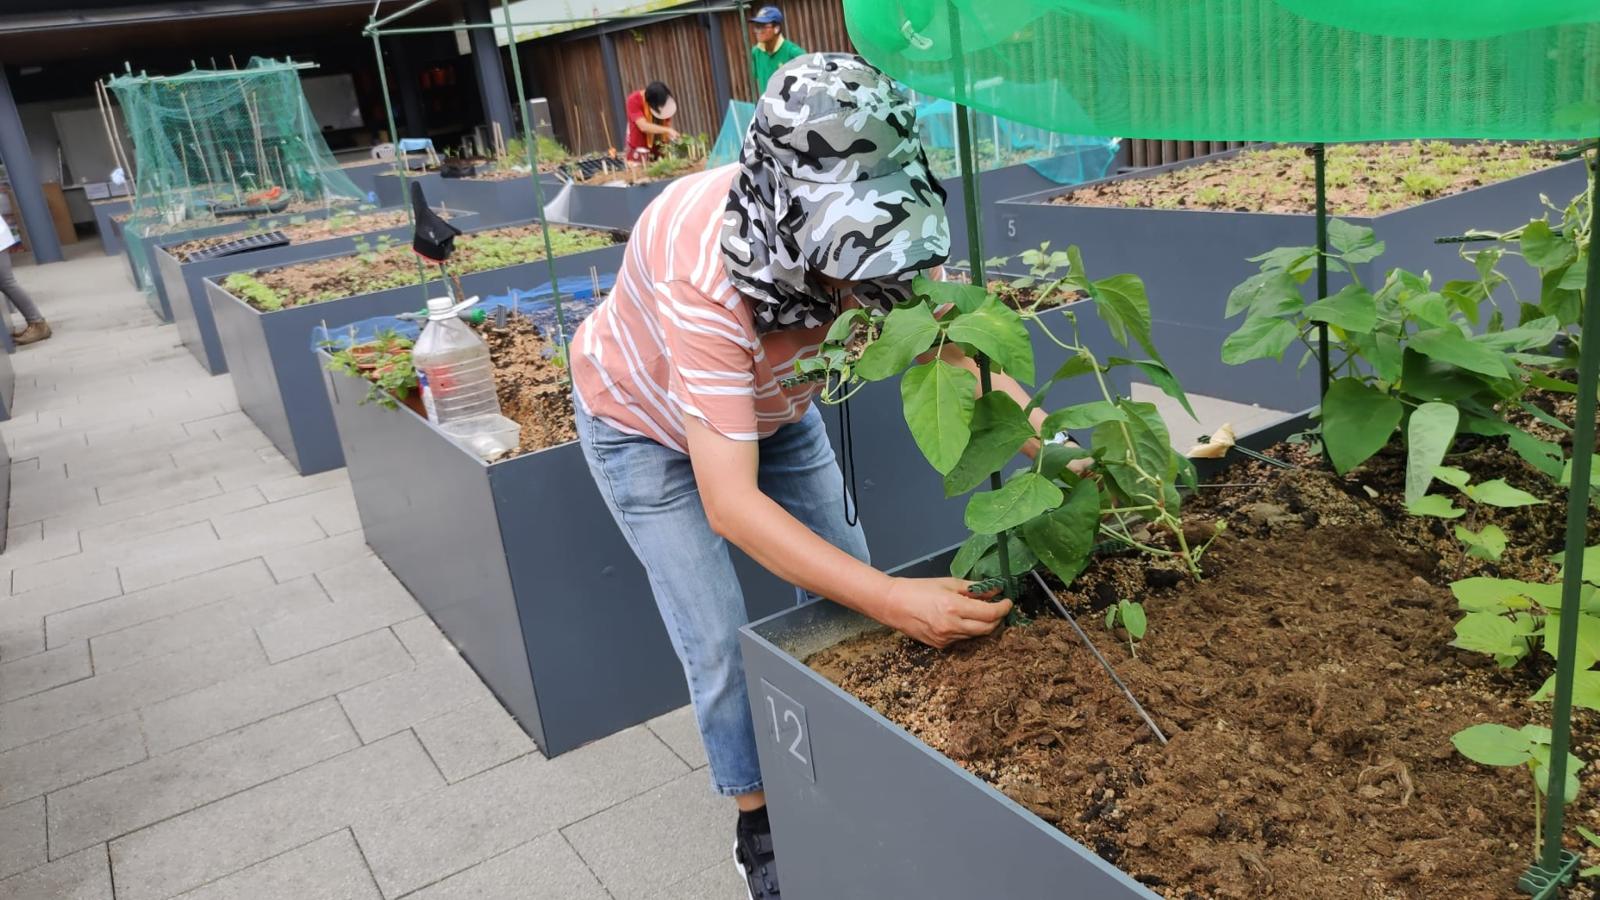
(453, 368)
(487, 437)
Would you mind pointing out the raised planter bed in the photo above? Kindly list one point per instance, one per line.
(275, 372)
(1205, 254)
(110, 236)
(496, 202)
(861, 808)
(184, 282)
(8, 382)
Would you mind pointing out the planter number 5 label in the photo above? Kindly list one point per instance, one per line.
(789, 732)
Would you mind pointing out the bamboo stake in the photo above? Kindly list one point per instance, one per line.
(127, 161)
(199, 148)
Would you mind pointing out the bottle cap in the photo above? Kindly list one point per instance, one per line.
(440, 307)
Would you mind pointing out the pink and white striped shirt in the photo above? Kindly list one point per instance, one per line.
(675, 338)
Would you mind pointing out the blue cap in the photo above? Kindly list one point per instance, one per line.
(768, 15)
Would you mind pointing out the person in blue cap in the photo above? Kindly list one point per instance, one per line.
(771, 49)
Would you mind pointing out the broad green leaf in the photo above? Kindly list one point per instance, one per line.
(1493, 745)
(938, 400)
(1161, 377)
(841, 328)
(1019, 559)
(1435, 505)
(1549, 383)
(1539, 768)
(1591, 564)
(1486, 544)
(1063, 537)
(1262, 288)
(1585, 689)
(1482, 594)
(1576, 275)
(1056, 458)
(1565, 478)
(1122, 304)
(1076, 365)
(1141, 440)
(1430, 308)
(1492, 633)
(1533, 409)
(1382, 352)
(1456, 478)
(1542, 455)
(1260, 337)
(964, 297)
(1083, 415)
(1588, 638)
(1447, 345)
(1357, 421)
(1427, 379)
(1428, 435)
(968, 554)
(997, 331)
(1498, 493)
(1352, 309)
(1286, 259)
(1543, 248)
(1558, 297)
(907, 332)
(1026, 495)
(1133, 619)
(1536, 334)
(999, 429)
(1356, 243)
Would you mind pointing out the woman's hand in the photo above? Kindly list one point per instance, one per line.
(938, 611)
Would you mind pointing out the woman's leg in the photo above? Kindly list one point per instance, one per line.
(652, 494)
(14, 292)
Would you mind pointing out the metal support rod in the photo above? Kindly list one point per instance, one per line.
(1319, 156)
(394, 133)
(969, 196)
(587, 20)
(531, 147)
(1065, 614)
(1572, 574)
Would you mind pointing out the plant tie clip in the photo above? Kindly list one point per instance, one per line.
(1137, 706)
(1217, 444)
(1542, 883)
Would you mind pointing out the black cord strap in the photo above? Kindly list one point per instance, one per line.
(847, 467)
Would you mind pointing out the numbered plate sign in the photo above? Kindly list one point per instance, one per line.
(790, 734)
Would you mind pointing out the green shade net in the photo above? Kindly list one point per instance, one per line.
(1294, 70)
(214, 147)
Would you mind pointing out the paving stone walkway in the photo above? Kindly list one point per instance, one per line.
(210, 688)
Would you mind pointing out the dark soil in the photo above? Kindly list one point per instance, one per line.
(532, 385)
(313, 230)
(1363, 179)
(1307, 687)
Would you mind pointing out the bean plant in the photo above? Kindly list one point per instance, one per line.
(1049, 513)
(1529, 746)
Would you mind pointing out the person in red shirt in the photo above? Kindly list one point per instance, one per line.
(650, 114)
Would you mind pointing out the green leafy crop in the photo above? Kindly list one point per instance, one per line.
(385, 362)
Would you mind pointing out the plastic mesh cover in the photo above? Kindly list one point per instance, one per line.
(999, 142)
(1300, 70)
(211, 147)
(577, 301)
(735, 124)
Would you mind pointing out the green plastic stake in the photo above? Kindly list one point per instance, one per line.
(1319, 154)
(1572, 576)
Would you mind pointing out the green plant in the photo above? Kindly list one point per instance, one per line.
(248, 288)
(1049, 513)
(384, 361)
(1131, 617)
(1498, 745)
(1407, 356)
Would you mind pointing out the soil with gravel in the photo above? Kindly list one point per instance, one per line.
(533, 385)
(1363, 179)
(1306, 684)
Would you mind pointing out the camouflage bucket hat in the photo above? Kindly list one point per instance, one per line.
(833, 182)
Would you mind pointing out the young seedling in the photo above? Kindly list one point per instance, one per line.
(1500, 746)
(1131, 617)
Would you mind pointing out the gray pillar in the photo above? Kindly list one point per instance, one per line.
(24, 178)
(619, 97)
(491, 74)
(721, 82)
(405, 80)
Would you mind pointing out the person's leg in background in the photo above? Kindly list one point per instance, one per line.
(36, 328)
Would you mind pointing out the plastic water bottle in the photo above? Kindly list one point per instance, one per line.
(453, 367)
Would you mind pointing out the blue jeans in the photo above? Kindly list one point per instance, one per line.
(652, 494)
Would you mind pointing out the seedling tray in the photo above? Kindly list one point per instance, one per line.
(861, 808)
(275, 371)
(537, 587)
(264, 241)
(1201, 255)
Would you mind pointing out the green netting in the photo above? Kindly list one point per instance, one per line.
(735, 122)
(1301, 70)
(211, 147)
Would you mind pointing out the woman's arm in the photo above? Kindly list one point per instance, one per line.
(934, 611)
(649, 127)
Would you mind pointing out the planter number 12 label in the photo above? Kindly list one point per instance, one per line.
(789, 732)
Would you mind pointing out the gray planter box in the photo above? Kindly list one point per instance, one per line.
(900, 497)
(275, 372)
(110, 236)
(366, 175)
(523, 568)
(5, 490)
(1191, 259)
(8, 390)
(495, 202)
(184, 282)
(995, 185)
(861, 808)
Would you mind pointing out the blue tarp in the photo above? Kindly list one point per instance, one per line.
(577, 301)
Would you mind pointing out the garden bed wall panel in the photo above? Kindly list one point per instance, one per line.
(862, 808)
(5, 492)
(535, 584)
(8, 386)
(995, 185)
(495, 202)
(289, 403)
(1191, 259)
(192, 313)
(611, 205)
(110, 236)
